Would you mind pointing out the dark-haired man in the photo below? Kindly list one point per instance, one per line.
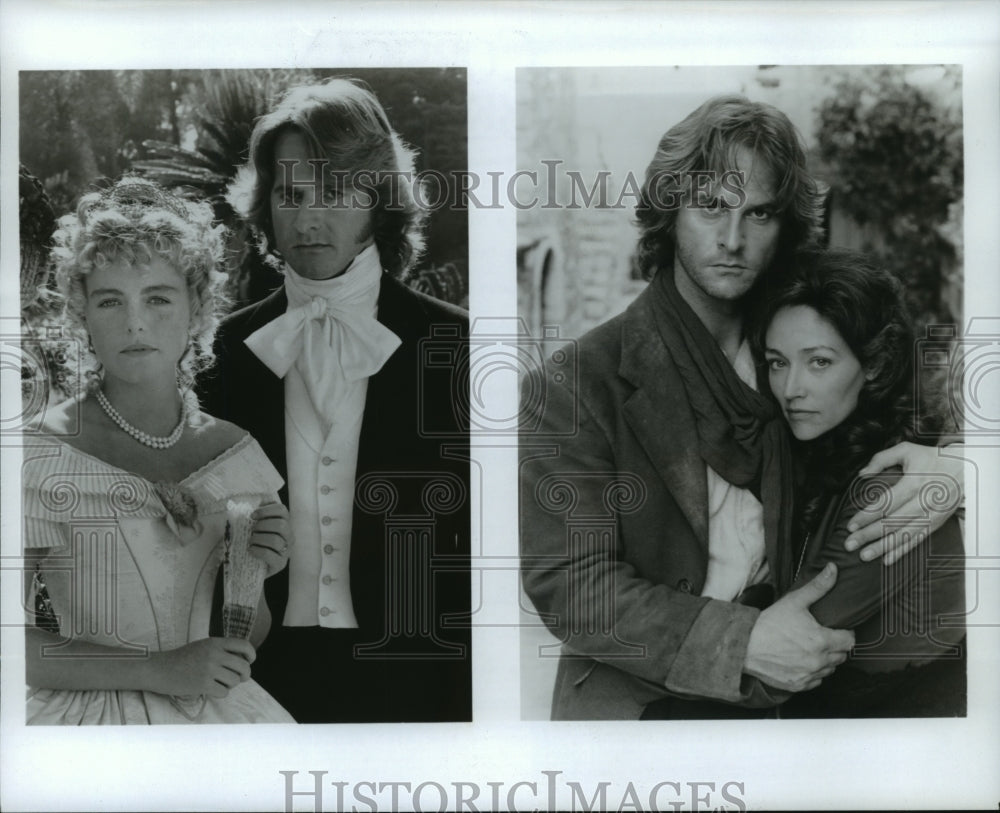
(656, 535)
(327, 373)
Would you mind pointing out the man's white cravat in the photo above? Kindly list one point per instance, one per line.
(325, 347)
(328, 329)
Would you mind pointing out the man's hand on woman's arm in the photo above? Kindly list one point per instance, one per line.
(927, 494)
(788, 649)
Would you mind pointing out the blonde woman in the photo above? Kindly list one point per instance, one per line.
(127, 495)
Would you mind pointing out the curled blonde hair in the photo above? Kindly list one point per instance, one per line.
(132, 222)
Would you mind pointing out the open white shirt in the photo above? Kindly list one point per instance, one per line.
(735, 522)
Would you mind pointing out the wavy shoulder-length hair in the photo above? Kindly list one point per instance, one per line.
(864, 303)
(710, 140)
(343, 123)
(132, 222)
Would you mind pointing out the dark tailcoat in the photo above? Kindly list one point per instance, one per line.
(410, 659)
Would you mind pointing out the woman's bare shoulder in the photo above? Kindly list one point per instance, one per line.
(77, 423)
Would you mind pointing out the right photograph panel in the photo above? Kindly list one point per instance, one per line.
(736, 495)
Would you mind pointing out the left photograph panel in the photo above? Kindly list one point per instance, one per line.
(244, 371)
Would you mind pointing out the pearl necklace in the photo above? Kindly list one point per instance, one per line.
(145, 438)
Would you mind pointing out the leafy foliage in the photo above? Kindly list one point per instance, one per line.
(48, 361)
(227, 103)
(37, 223)
(893, 157)
(190, 129)
(80, 126)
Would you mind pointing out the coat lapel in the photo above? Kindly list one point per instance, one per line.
(262, 392)
(267, 310)
(660, 415)
(392, 384)
(395, 311)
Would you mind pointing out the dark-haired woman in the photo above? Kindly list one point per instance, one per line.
(839, 353)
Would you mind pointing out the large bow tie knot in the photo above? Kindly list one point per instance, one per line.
(316, 309)
(329, 330)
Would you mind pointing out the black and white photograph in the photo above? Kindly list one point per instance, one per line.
(499, 406)
(744, 313)
(238, 385)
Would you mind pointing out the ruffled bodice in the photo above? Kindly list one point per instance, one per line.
(63, 486)
(129, 563)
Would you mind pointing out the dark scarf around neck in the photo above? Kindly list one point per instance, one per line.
(740, 432)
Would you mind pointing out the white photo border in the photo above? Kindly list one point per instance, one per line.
(789, 764)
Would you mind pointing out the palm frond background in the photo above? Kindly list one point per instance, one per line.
(189, 131)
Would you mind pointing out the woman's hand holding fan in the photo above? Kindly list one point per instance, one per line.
(271, 541)
(256, 546)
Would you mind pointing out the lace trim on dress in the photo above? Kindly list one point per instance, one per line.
(242, 469)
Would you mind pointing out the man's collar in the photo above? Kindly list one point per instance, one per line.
(643, 351)
(365, 263)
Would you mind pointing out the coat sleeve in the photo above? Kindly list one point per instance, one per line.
(667, 642)
(862, 588)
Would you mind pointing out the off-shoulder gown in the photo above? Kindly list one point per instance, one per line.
(132, 564)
